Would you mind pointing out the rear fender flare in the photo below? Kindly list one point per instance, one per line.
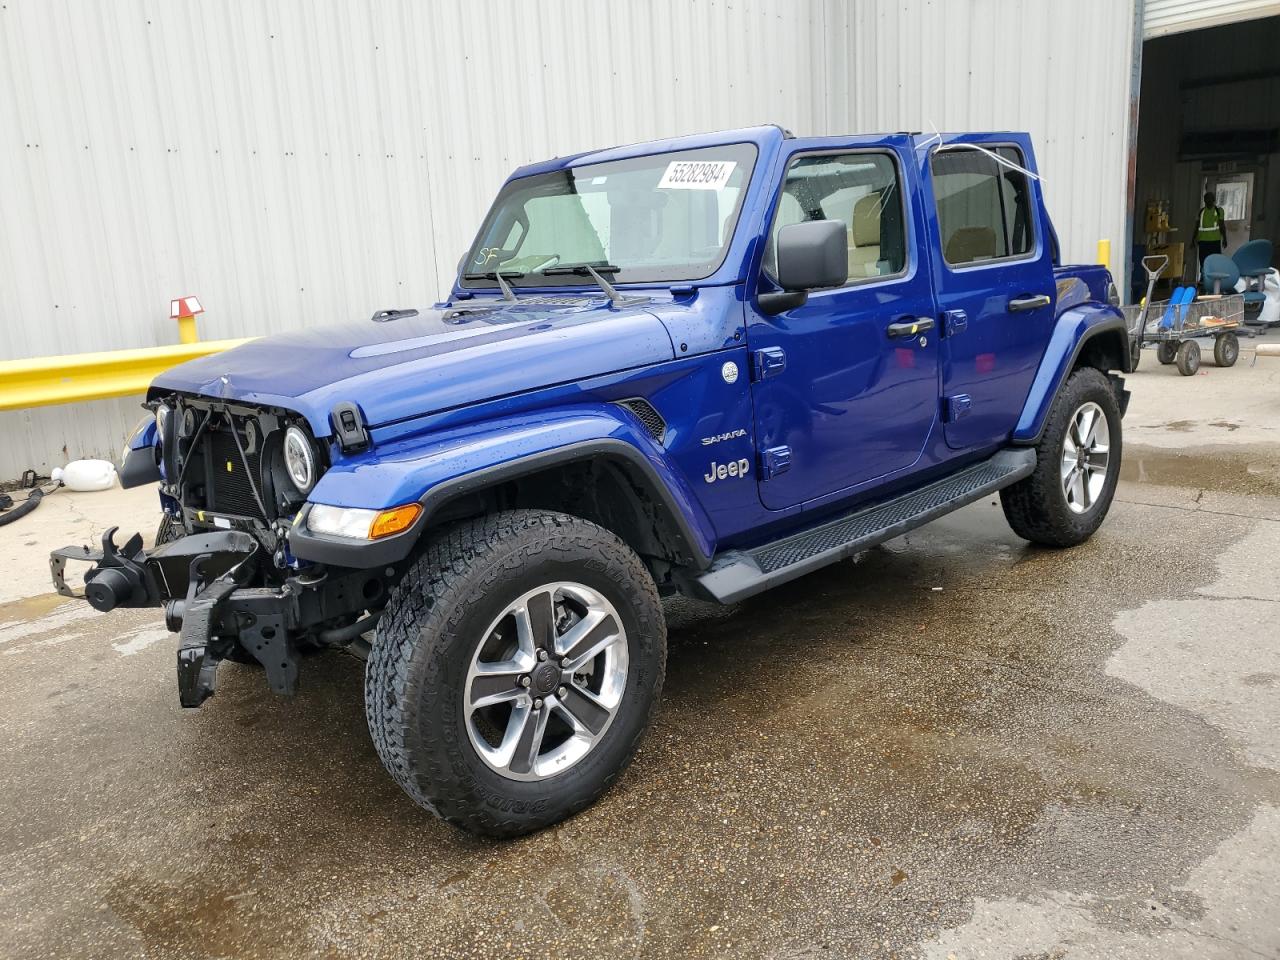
(1074, 330)
(436, 469)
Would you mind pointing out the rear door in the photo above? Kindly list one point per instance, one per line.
(844, 392)
(993, 274)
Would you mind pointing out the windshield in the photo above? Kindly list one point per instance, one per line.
(659, 218)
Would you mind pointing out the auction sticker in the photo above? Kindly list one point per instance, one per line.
(697, 174)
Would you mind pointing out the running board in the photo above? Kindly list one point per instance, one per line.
(738, 574)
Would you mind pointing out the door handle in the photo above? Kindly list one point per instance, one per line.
(1029, 302)
(911, 327)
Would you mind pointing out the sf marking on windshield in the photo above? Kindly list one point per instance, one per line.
(723, 471)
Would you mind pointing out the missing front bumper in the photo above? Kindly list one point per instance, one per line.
(200, 581)
(222, 597)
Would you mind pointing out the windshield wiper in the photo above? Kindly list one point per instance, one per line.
(596, 272)
(499, 277)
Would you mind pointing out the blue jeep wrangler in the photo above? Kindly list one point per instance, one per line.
(706, 365)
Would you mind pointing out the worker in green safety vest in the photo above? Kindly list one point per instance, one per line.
(1211, 229)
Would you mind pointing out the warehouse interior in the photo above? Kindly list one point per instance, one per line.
(1209, 119)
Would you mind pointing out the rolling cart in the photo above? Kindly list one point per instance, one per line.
(1174, 327)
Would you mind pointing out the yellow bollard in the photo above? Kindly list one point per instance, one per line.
(184, 310)
(187, 330)
(1104, 252)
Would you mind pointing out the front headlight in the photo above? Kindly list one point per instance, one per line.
(299, 459)
(355, 523)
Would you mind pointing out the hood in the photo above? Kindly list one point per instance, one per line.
(441, 358)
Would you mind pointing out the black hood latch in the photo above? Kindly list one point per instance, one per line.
(348, 427)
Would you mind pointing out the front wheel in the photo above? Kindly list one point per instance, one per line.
(1226, 350)
(1068, 495)
(1188, 358)
(515, 669)
(1167, 352)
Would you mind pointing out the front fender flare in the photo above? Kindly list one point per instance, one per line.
(140, 464)
(437, 468)
(1073, 330)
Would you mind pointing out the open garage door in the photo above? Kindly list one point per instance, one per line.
(1163, 17)
(1209, 126)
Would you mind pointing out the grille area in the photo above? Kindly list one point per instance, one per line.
(650, 418)
(229, 485)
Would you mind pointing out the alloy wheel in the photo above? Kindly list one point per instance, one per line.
(546, 681)
(1086, 453)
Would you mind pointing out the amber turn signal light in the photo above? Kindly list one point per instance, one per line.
(393, 521)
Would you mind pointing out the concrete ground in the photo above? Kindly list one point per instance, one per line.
(960, 747)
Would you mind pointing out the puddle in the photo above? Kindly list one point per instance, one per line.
(32, 608)
(1241, 470)
(843, 767)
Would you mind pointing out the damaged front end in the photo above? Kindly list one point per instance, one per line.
(227, 581)
(204, 583)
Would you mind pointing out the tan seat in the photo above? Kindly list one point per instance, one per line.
(969, 244)
(864, 238)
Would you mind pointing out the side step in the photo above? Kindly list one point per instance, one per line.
(738, 574)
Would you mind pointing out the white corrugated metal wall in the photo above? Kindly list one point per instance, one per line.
(298, 162)
(1163, 17)
(1059, 70)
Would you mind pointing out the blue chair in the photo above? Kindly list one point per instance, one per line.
(1220, 275)
(1254, 260)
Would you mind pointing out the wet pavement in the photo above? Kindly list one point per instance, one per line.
(960, 746)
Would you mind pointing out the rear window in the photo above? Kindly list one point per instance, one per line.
(984, 206)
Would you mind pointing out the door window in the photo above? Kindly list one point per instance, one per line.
(984, 206)
(860, 189)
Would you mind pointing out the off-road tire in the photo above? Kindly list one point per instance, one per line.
(1166, 352)
(1036, 507)
(416, 672)
(1226, 350)
(169, 530)
(1188, 358)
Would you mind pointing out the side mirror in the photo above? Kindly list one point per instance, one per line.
(811, 256)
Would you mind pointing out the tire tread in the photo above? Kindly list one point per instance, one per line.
(435, 592)
(1030, 504)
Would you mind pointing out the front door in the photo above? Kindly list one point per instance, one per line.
(993, 270)
(844, 392)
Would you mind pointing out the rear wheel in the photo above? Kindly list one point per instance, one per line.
(1226, 350)
(515, 669)
(1188, 358)
(1167, 352)
(1068, 495)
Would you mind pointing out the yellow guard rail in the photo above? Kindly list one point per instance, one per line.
(42, 381)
